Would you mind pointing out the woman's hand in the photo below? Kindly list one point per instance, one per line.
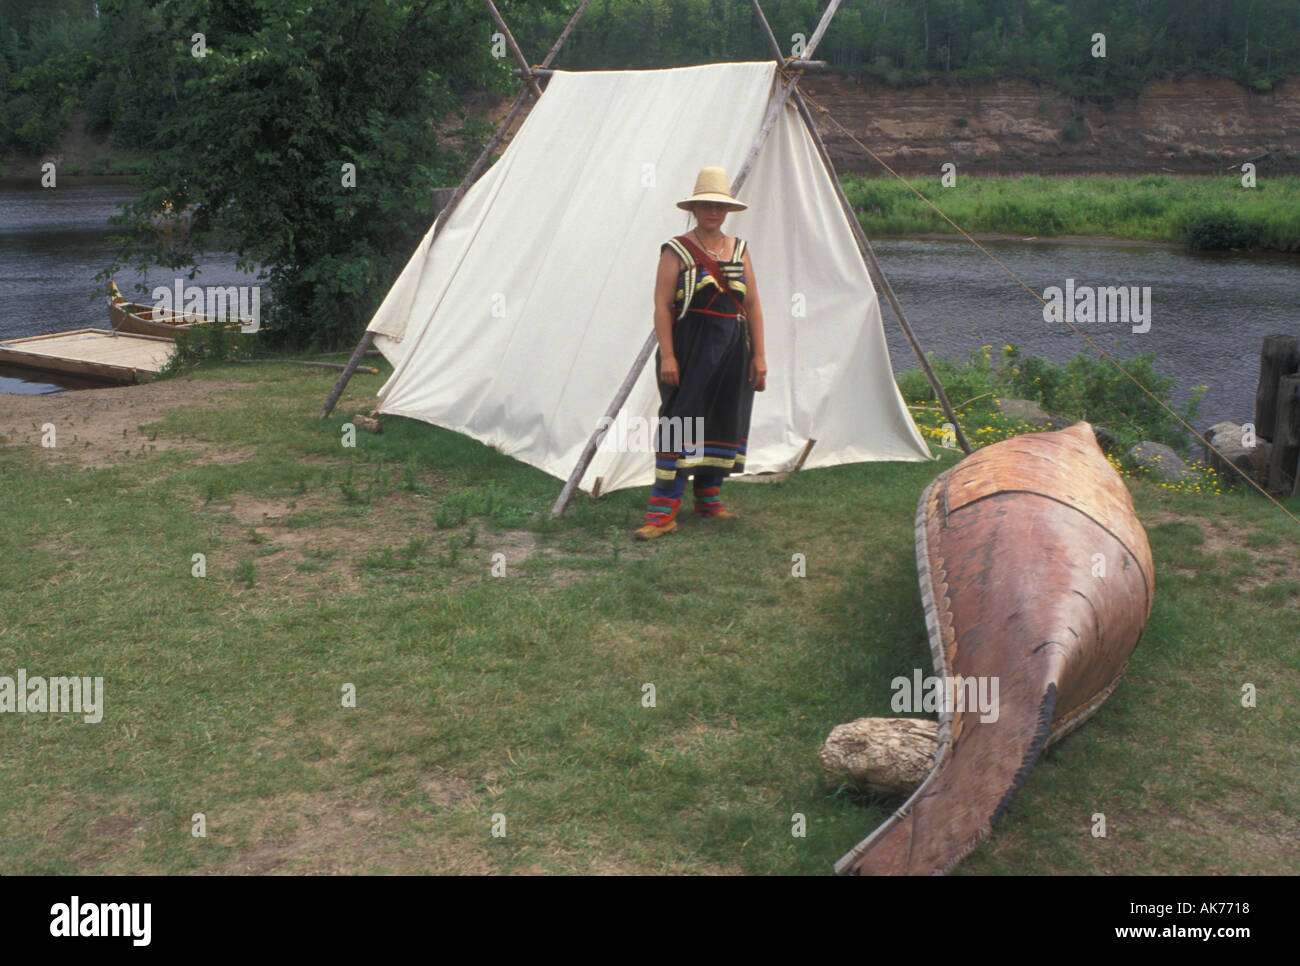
(758, 373)
(668, 373)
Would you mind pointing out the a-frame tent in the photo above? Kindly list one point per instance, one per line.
(515, 319)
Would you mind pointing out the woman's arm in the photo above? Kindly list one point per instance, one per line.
(754, 313)
(665, 289)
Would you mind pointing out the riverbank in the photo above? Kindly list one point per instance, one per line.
(1203, 214)
(372, 566)
(1187, 123)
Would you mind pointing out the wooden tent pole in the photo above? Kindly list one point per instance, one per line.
(564, 34)
(793, 64)
(514, 48)
(625, 388)
(472, 175)
(869, 255)
(864, 243)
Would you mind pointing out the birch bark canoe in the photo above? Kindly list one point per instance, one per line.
(1035, 572)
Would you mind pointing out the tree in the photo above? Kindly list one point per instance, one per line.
(271, 103)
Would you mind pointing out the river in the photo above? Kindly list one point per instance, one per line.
(53, 241)
(1208, 314)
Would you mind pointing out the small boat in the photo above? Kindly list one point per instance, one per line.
(1036, 574)
(90, 355)
(146, 320)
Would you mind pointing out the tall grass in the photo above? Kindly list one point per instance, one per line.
(1202, 213)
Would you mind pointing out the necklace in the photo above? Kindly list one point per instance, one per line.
(717, 254)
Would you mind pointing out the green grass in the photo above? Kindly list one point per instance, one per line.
(521, 695)
(1201, 213)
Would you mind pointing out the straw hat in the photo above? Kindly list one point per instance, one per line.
(712, 185)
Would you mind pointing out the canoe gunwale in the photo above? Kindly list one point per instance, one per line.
(127, 317)
(938, 658)
(1047, 728)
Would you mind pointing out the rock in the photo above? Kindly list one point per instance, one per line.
(1226, 439)
(1233, 430)
(1159, 460)
(1105, 439)
(1027, 411)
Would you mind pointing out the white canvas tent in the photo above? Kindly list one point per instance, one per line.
(516, 325)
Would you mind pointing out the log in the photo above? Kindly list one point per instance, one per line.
(368, 370)
(369, 424)
(1284, 467)
(888, 756)
(1279, 356)
(790, 64)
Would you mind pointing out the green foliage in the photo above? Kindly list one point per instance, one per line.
(44, 97)
(210, 344)
(1204, 213)
(1219, 229)
(902, 42)
(1083, 388)
(1098, 391)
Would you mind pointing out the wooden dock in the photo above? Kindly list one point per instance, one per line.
(114, 357)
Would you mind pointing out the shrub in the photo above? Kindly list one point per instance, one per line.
(1218, 229)
(1082, 389)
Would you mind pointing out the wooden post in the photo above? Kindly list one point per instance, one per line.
(625, 388)
(1284, 469)
(514, 48)
(789, 64)
(1279, 356)
(472, 175)
(803, 455)
(864, 245)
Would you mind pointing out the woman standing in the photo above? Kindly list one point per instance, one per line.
(710, 360)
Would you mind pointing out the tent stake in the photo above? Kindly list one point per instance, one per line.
(472, 175)
(588, 451)
(798, 464)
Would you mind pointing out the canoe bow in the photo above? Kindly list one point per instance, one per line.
(1034, 572)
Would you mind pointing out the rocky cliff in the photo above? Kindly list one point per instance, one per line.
(1193, 124)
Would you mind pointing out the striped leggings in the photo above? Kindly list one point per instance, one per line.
(666, 496)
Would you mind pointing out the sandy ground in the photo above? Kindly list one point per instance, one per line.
(97, 427)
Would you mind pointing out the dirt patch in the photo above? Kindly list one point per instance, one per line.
(448, 791)
(696, 737)
(318, 834)
(99, 427)
(117, 827)
(1221, 537)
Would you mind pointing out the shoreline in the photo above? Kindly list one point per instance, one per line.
(1104, 241)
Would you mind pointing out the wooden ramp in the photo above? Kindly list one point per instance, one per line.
(94, 353)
